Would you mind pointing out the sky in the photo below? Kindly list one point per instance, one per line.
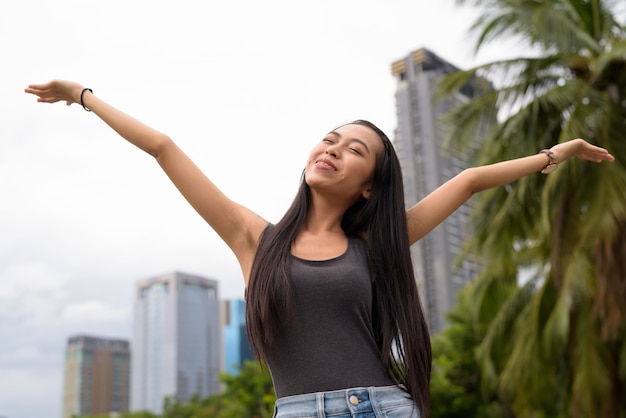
(245, 87)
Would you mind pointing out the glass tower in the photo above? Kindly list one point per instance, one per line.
(176, 340)
(426, 164)
(236, 346)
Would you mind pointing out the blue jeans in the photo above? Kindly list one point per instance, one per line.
(372, 402)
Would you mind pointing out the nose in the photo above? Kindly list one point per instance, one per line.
(332, 150)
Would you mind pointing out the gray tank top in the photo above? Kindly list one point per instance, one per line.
(329, 342)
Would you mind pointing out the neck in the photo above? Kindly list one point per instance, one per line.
(324, 215)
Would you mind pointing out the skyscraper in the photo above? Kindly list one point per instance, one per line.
(96, 378)
(176, 340)
(426, 164)
(236, 345)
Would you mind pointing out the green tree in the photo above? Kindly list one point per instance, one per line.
(138, 414)
(557, 347)
(455, 387)
(249, 394)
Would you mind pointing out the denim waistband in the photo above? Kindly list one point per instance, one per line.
(352, 401)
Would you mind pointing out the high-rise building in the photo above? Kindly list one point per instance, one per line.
(426, 164)
(236, 345)
(176, 340)
(96, 378)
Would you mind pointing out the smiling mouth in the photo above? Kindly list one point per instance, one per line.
(325, 164)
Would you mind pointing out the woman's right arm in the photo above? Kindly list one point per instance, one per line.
(239, 227)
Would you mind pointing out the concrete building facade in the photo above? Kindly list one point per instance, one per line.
(96, 378)
(426, 164)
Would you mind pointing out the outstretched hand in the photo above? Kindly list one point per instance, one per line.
(581, 149)
(56, 91)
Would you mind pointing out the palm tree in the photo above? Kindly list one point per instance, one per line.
(558, 344)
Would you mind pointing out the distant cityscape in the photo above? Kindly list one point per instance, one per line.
(183, 336)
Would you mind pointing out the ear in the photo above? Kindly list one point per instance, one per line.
(367, 192)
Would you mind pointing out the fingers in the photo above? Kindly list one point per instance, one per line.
(605, 156)
(38, 89)
(43, 96)
(47, 92)
(42, 86)
(48, 99)
(596, 154)
(583, 150)
(32, 90)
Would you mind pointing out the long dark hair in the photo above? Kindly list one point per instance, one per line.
(399, 325)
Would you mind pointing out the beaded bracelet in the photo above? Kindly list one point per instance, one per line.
(81, 98)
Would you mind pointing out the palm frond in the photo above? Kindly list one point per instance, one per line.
(592, 378)
(560, 29)
(491, 352)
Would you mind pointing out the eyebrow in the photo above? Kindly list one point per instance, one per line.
(360, 141)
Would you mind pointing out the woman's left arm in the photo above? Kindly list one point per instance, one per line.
(429, 212)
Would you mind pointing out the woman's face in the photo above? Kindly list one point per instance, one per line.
(343, 162)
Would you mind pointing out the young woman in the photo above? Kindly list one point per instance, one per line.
(332, 304)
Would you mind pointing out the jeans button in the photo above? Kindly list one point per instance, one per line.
(354, 400)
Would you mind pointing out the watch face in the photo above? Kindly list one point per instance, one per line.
(549, 168)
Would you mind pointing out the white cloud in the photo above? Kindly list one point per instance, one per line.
(30, 393)
(94, 311)
(24, 276)
(27, 353)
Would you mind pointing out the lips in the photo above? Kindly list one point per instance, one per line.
(327, 164)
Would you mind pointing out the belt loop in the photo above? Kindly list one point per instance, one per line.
(374, 401)
(320, 405)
